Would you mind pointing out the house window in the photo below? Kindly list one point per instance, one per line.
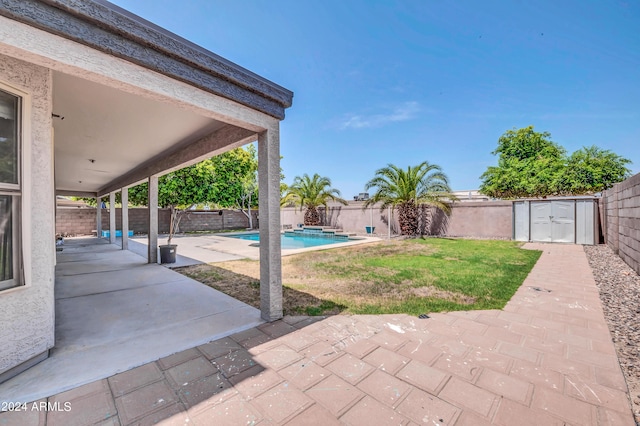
(10, 189)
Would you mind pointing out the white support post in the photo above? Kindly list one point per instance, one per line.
(124, 196)
(269, 202)
(99, 217)
(112, 217)
(153, 220)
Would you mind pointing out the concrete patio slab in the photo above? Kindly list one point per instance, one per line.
(111, 260)
(142, 275)
(115, 312)
(83, 321)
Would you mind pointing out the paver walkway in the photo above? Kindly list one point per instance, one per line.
(546, 359)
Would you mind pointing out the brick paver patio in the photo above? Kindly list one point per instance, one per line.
(546, 359)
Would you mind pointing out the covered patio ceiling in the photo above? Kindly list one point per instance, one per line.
(102, 133)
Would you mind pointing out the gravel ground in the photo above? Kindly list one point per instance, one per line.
(619, 287)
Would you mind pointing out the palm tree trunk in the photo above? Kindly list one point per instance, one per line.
(408, 218)
(312, 217)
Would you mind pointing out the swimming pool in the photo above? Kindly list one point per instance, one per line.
(289, 241)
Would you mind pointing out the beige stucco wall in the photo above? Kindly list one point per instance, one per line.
(27, 312)
(485, 219)
(350, 218)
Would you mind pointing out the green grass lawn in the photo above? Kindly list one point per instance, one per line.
(413, 276)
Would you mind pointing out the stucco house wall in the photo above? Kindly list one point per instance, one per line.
(27, 312)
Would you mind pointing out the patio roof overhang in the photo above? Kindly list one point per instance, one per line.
(130, 99)
(139, 102)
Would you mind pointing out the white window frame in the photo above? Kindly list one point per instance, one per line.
(17, 278)
(17, 191)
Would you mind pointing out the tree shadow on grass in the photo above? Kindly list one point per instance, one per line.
(247, 289)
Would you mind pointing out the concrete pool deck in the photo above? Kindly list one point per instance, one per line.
(210, 248)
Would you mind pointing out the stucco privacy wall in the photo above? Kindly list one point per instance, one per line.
(83, 221)
(489, 219)
(621, 217)
(27, 312)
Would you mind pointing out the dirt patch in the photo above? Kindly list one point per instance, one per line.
(237, 285)
(240, 280)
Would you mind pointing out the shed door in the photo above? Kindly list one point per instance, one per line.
(553, 221)
(541, 221)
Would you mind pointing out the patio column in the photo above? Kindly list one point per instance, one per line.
(98, 217)
(124, 196)
(112, 217)
(269, 211)
(153, 219)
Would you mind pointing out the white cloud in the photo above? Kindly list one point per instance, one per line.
(404, 112)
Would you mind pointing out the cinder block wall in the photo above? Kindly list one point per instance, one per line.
(75, 221)
(621, 206)
(83, 221)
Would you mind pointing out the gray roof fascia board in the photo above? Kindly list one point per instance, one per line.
(115, 31)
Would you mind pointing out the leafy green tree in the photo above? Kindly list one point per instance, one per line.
(311, 193)
(217, 180)
(178, 191)
(529, 165)
(249, 194)
(592, 169)
(231, 171)
(410, 189)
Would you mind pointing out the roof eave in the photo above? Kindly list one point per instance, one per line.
(113, 30)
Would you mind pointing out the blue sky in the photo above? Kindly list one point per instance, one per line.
(380, 82)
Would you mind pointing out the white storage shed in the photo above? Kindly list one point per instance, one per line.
(557, 220)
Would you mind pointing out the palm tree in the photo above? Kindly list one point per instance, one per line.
(409, 190)
(310, 193)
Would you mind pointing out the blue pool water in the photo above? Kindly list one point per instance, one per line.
(295, 241)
